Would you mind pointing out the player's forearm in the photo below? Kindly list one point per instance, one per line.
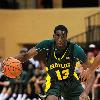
(24, 57)
(90, 84)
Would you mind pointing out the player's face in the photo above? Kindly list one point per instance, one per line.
(60, 38)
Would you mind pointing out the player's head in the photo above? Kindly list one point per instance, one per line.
(60, 35)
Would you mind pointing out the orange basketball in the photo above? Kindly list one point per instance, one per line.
(12, 67)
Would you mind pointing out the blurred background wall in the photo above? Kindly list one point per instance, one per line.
(31, 26)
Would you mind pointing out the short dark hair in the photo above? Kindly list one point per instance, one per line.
(61, 27)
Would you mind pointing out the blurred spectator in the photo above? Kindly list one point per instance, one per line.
(93, 48)
(90, 57)
(19, 85)
(6, 92)
(35, 85)
(30, 71)
(39, 81)
(96, 88)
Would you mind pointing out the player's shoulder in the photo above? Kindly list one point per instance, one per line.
(44, 44)
(71, 43)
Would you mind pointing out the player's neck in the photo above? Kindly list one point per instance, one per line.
(61, 48)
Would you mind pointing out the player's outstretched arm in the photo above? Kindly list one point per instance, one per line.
(23, 57)
(12, 67)
(87, 74)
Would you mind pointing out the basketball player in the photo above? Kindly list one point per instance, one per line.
(61, 57)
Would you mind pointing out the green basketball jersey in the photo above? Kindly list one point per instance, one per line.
(60, 63)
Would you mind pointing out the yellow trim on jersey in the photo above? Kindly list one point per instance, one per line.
(61, 57)
(77, 64)
(47, 69)
(48, 82)
(75, 75)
